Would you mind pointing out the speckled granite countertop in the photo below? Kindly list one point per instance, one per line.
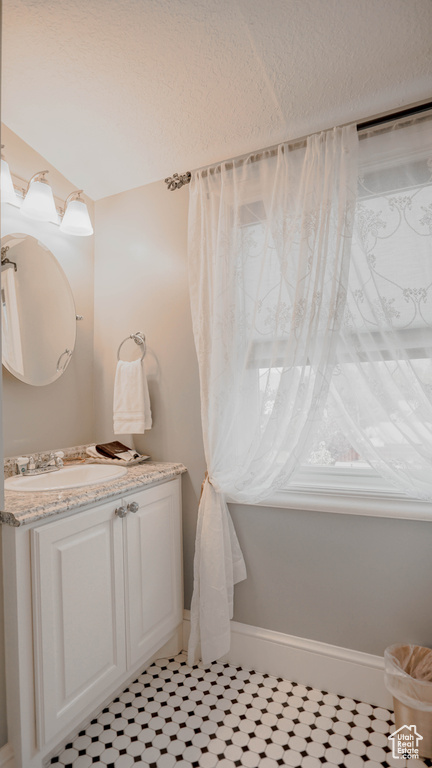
(25, 508)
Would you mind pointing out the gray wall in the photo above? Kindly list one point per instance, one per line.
(352, 581)
(357, 582)
(141, 285)
(59, 414)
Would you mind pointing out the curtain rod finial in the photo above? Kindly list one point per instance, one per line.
(176, 182)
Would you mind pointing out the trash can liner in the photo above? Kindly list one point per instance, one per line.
(408, 675)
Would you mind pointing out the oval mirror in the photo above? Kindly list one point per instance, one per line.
(38, 311)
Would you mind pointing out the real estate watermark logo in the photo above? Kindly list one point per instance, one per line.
(405, 742)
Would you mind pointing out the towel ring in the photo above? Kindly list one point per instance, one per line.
(139, 339)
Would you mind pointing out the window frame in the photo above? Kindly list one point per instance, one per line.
(346, 491)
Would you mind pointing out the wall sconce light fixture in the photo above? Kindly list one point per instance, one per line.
(8, 194)
(76, 219)
(37, 202)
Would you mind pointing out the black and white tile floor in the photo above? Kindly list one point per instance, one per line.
(175, 716)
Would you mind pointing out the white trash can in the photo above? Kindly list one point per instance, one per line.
(408, 677)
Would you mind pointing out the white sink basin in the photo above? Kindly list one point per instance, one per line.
(68, 477)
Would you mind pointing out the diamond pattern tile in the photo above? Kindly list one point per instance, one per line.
(175, 716)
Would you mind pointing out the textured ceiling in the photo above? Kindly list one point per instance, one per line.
(120, 93)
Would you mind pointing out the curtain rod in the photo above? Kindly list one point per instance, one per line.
(409, 112)
(177, 181)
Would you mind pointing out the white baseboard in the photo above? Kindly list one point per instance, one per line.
(346, 672)
(7, 757)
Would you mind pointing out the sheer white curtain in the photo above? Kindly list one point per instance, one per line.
(382, 385)
(269, 247)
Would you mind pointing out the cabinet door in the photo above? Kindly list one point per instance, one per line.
(153, 569)
(78, 606)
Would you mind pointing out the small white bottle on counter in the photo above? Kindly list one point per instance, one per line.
(21, 464)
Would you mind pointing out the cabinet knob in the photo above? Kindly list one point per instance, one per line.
(121, 511)
(133, 506)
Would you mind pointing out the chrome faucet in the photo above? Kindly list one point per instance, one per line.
(36, 466)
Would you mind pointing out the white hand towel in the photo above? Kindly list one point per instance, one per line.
(132, 414)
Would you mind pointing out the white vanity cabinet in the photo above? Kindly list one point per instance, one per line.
(106, 595)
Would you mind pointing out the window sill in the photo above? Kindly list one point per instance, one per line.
(340, 491)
